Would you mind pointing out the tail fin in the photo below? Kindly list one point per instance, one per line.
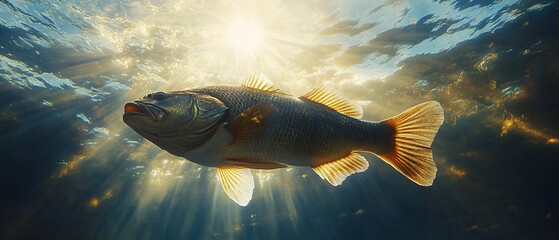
(415, 129)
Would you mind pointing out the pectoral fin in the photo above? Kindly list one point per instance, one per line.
(337, 171)
(250, 122)
(238, 184)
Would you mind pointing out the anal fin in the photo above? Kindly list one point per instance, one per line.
(238, 184)
(337, 171)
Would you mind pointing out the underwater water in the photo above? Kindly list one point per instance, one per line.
(71, 169)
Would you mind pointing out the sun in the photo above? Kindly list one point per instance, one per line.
(245, 37)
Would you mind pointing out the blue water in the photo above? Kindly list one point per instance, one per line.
(71, 169)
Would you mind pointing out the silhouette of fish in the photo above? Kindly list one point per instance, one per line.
(257, 126)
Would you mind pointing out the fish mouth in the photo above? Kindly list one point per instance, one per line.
(138, 108)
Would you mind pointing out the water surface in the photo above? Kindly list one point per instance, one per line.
(71, 169)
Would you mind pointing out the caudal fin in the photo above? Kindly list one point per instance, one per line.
(415, 129)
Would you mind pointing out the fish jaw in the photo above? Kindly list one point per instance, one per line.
(138, 108)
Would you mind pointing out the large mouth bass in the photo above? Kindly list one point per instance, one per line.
(257, 126)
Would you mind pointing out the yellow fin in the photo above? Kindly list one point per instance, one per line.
(337, 171)
(245, 126)
(261, 82)
(238, 184)
(330, 98)
(415, 130)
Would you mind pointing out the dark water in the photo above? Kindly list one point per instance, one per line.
(71, 169)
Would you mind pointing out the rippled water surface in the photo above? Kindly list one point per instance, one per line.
(71, 169)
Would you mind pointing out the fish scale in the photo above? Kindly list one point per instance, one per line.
(326, 135)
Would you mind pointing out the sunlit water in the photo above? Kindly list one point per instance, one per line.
(71, 169)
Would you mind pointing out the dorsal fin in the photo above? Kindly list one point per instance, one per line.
(337, 171)
(238, 184)
(328, 97)
(260, 82)
(245, 126)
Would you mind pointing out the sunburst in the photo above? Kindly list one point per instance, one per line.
(245, 37)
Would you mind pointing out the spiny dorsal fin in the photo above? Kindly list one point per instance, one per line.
(261, 82)
(238, 184)
(415, 130)
(337, 171)
(328, 97)
(245, 126)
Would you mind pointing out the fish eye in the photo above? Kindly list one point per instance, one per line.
(159, 96)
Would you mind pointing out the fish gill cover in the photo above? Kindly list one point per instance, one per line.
(72, 170)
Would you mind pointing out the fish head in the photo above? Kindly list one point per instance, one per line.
(175, 121)
(158, 113)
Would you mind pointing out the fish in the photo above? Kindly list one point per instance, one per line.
(258, 126)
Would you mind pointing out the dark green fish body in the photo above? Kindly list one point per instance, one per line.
(298, 132)
(256, 126)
